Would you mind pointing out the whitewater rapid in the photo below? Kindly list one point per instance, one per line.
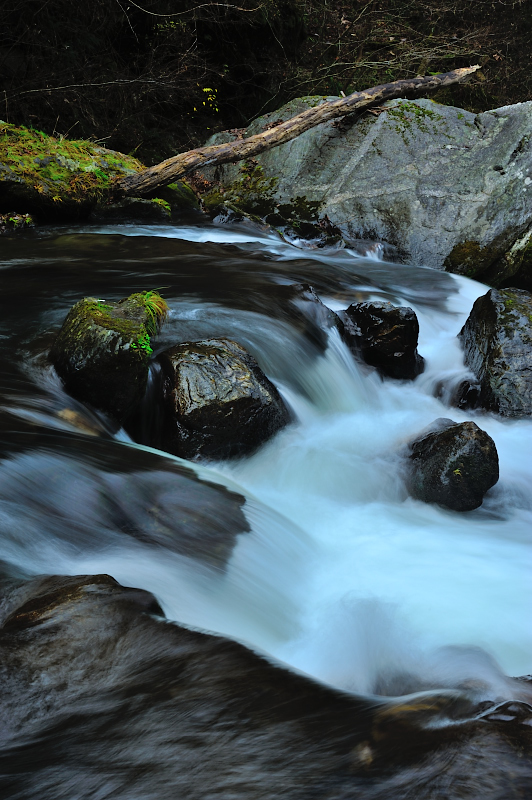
(343, 576)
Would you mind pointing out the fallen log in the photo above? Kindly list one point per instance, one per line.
(178, 166)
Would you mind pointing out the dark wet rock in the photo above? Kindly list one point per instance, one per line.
(102, 351)
(462, 393)
(132, 209)
(497, 342)
(385, 336)
(453, 464)
(307, 312)
(101, 697)
(219, 402)
(466, 394)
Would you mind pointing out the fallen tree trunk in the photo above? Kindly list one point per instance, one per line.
(178, 166)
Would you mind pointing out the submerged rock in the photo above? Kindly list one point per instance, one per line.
(447, 188)
(497, 342)
(385, 336)
(307, 312)
(103, 350)
(453, 464)
(219, 402)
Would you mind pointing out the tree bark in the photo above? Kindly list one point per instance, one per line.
(176, 167)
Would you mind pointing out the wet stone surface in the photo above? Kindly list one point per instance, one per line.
(219, 403)
(384, 336)
(453, 464)
(103, 697)
(497, 342)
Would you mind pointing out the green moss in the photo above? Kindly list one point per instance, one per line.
(60, 169)
(469, 259)
(406, 117)
(163, 204)
(514, 310)
(153, 305)
(135, 319)
(15, 222)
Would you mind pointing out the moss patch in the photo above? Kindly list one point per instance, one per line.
(103, 350)
(51, 171)
(469, 259)
(252, 194)
(408, 117)
(13, 222)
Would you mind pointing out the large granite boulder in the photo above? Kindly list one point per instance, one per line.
(219, 403)
(385, 336)
(497, 342)
(453, 464)
(102, 351)
(445, 187)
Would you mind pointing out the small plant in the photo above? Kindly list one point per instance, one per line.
(157, 311)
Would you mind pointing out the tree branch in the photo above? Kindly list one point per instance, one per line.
(178, 166)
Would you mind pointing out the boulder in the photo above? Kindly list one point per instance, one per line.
(446, 188)
(453, 464)
(385, 336)
(102, 351)
(219, 403)
(61, 179)
(102, 697)
(497, 342)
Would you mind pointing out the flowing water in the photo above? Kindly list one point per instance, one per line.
(340, 574)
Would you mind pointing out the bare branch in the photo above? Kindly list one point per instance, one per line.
(176, 167)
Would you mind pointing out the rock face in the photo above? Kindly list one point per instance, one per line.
(219, 402)
(453, 464)
(385, 336)
(497, 342)
(102, 352)
(445, 187)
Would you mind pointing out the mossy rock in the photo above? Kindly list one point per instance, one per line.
(59, 179)
(12, 222)
(133, 209)
(103, 350)
(56, 177)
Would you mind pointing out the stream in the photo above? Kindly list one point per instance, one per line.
(335, 571)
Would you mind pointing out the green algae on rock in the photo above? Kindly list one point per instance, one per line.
(103, 350)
